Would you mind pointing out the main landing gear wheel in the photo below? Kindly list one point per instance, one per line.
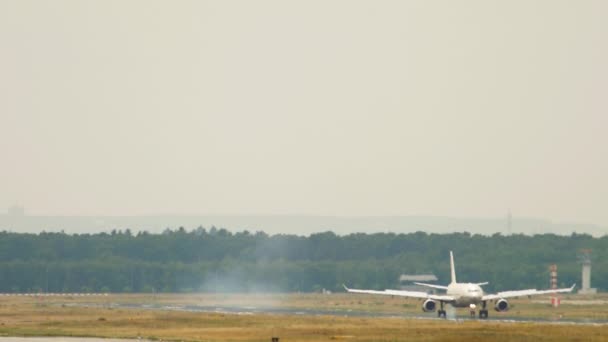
(441, 312)
(483, 313)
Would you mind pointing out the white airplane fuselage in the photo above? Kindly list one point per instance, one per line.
(465, 294)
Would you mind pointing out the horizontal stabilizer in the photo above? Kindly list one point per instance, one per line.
(440, 287)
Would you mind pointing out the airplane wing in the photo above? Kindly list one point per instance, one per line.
(409, 294)
(524, 293)
(440, 287)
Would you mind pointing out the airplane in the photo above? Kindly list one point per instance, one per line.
(461, 295)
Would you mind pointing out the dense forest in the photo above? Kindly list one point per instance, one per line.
(219, 260)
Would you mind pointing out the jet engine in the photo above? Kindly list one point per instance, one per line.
(429, 305)
(501, 305)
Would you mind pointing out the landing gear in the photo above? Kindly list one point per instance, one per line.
(483, 313)
(441, 312)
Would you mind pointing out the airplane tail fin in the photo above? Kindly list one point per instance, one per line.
(452, 268)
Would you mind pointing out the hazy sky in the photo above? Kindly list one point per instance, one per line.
(462, 108)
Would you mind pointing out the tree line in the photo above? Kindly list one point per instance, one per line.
(219, 260)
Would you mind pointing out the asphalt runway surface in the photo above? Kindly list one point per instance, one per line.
(251, 310)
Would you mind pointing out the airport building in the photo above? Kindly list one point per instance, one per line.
(585, 260)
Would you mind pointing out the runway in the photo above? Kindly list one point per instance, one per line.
(252, 310)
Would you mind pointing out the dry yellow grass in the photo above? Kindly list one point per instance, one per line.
(30, 316)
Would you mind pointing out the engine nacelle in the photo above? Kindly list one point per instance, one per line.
(501, 305)
(429, 305)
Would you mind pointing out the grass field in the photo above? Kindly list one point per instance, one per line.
(59, 316)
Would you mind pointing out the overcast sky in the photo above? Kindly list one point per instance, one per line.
(459, 108)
